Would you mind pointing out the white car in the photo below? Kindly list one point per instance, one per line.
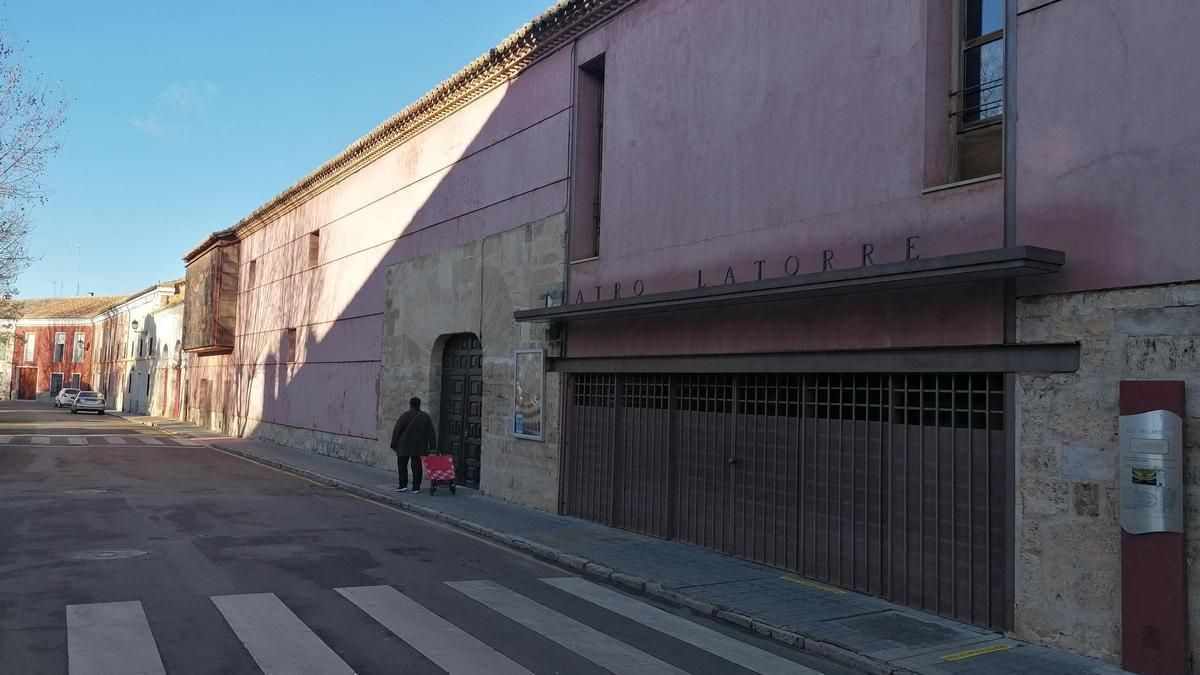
(88, 400)
(65, 398)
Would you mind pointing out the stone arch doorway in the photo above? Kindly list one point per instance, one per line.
(461, 406)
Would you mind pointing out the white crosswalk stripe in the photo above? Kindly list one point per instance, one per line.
(718, 644)
(110, 638)
(98, 439)
(452, 649)
(276, 638)
(587, 642)
(115, 638)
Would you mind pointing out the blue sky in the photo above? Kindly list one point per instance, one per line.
(185, 117)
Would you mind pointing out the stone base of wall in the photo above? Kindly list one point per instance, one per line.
(362, 450)
(1068, 566)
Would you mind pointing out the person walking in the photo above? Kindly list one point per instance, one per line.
(412, 437)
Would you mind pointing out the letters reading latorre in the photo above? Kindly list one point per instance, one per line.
(757, 270)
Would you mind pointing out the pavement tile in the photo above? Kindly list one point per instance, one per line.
(878, 630)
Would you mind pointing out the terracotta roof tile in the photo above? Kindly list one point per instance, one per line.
(86, 306)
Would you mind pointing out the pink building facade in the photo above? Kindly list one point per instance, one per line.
(741, 275)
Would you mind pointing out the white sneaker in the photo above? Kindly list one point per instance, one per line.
(401, 489)
(417, 491)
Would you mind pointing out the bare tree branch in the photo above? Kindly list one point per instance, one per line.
(31, 115)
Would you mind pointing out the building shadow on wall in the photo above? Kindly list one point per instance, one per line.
(291, 375)
(127, 363)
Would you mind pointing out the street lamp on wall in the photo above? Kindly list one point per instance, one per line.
(134, 325)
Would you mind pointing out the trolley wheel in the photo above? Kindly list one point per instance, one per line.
(452, 488)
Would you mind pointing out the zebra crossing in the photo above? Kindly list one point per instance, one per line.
(115, 638)
(98, 440)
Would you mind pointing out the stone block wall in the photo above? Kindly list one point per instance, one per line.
(475, 288)
(1068, 566)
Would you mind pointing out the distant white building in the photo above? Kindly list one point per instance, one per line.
(139, 341)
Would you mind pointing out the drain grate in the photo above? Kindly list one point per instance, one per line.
(102, 554)
(92, 491)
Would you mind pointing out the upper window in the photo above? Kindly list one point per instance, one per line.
(30, 345)
(314, 248)
(77, 348)
(589, 160)
(979, 94)
(60, 347)
(291, 347)
(251, 274)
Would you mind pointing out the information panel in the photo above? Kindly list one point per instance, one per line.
(1151, 472)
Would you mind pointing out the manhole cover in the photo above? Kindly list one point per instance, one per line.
(108, 554)
(91, 491)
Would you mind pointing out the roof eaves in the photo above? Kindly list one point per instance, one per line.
(533, 41)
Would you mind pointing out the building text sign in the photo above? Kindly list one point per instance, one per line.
(757, 270)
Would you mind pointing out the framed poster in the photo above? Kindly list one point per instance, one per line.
(529, 390)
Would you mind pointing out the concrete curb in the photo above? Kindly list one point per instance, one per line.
(586, 567)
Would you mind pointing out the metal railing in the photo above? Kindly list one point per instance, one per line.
(973, 107)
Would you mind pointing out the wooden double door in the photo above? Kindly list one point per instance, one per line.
(461, 411)
(27, 384)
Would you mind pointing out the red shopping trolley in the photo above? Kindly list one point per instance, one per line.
(438, 469)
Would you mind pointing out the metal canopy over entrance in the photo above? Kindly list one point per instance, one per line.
(462, 405)
(889, 484)
(1001, 263)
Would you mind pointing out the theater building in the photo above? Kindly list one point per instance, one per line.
(798, 327)
(805, 288)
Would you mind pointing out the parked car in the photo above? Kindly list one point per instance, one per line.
(88, 400)
(65, 397)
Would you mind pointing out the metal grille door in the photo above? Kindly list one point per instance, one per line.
(889, 484)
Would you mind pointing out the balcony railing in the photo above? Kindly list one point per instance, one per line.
(978, 105)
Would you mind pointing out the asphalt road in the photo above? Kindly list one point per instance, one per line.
(237, 568)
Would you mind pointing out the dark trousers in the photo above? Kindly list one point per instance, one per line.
(415, 463)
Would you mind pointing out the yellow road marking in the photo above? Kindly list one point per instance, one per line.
(813, 584)
(978, 651)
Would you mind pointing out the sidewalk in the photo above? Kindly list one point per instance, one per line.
(858, 630)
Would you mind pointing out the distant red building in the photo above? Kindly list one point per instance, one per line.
(52, 345)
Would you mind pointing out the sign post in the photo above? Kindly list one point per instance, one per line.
(1153, 546)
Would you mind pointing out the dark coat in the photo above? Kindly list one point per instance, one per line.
(413, 434)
